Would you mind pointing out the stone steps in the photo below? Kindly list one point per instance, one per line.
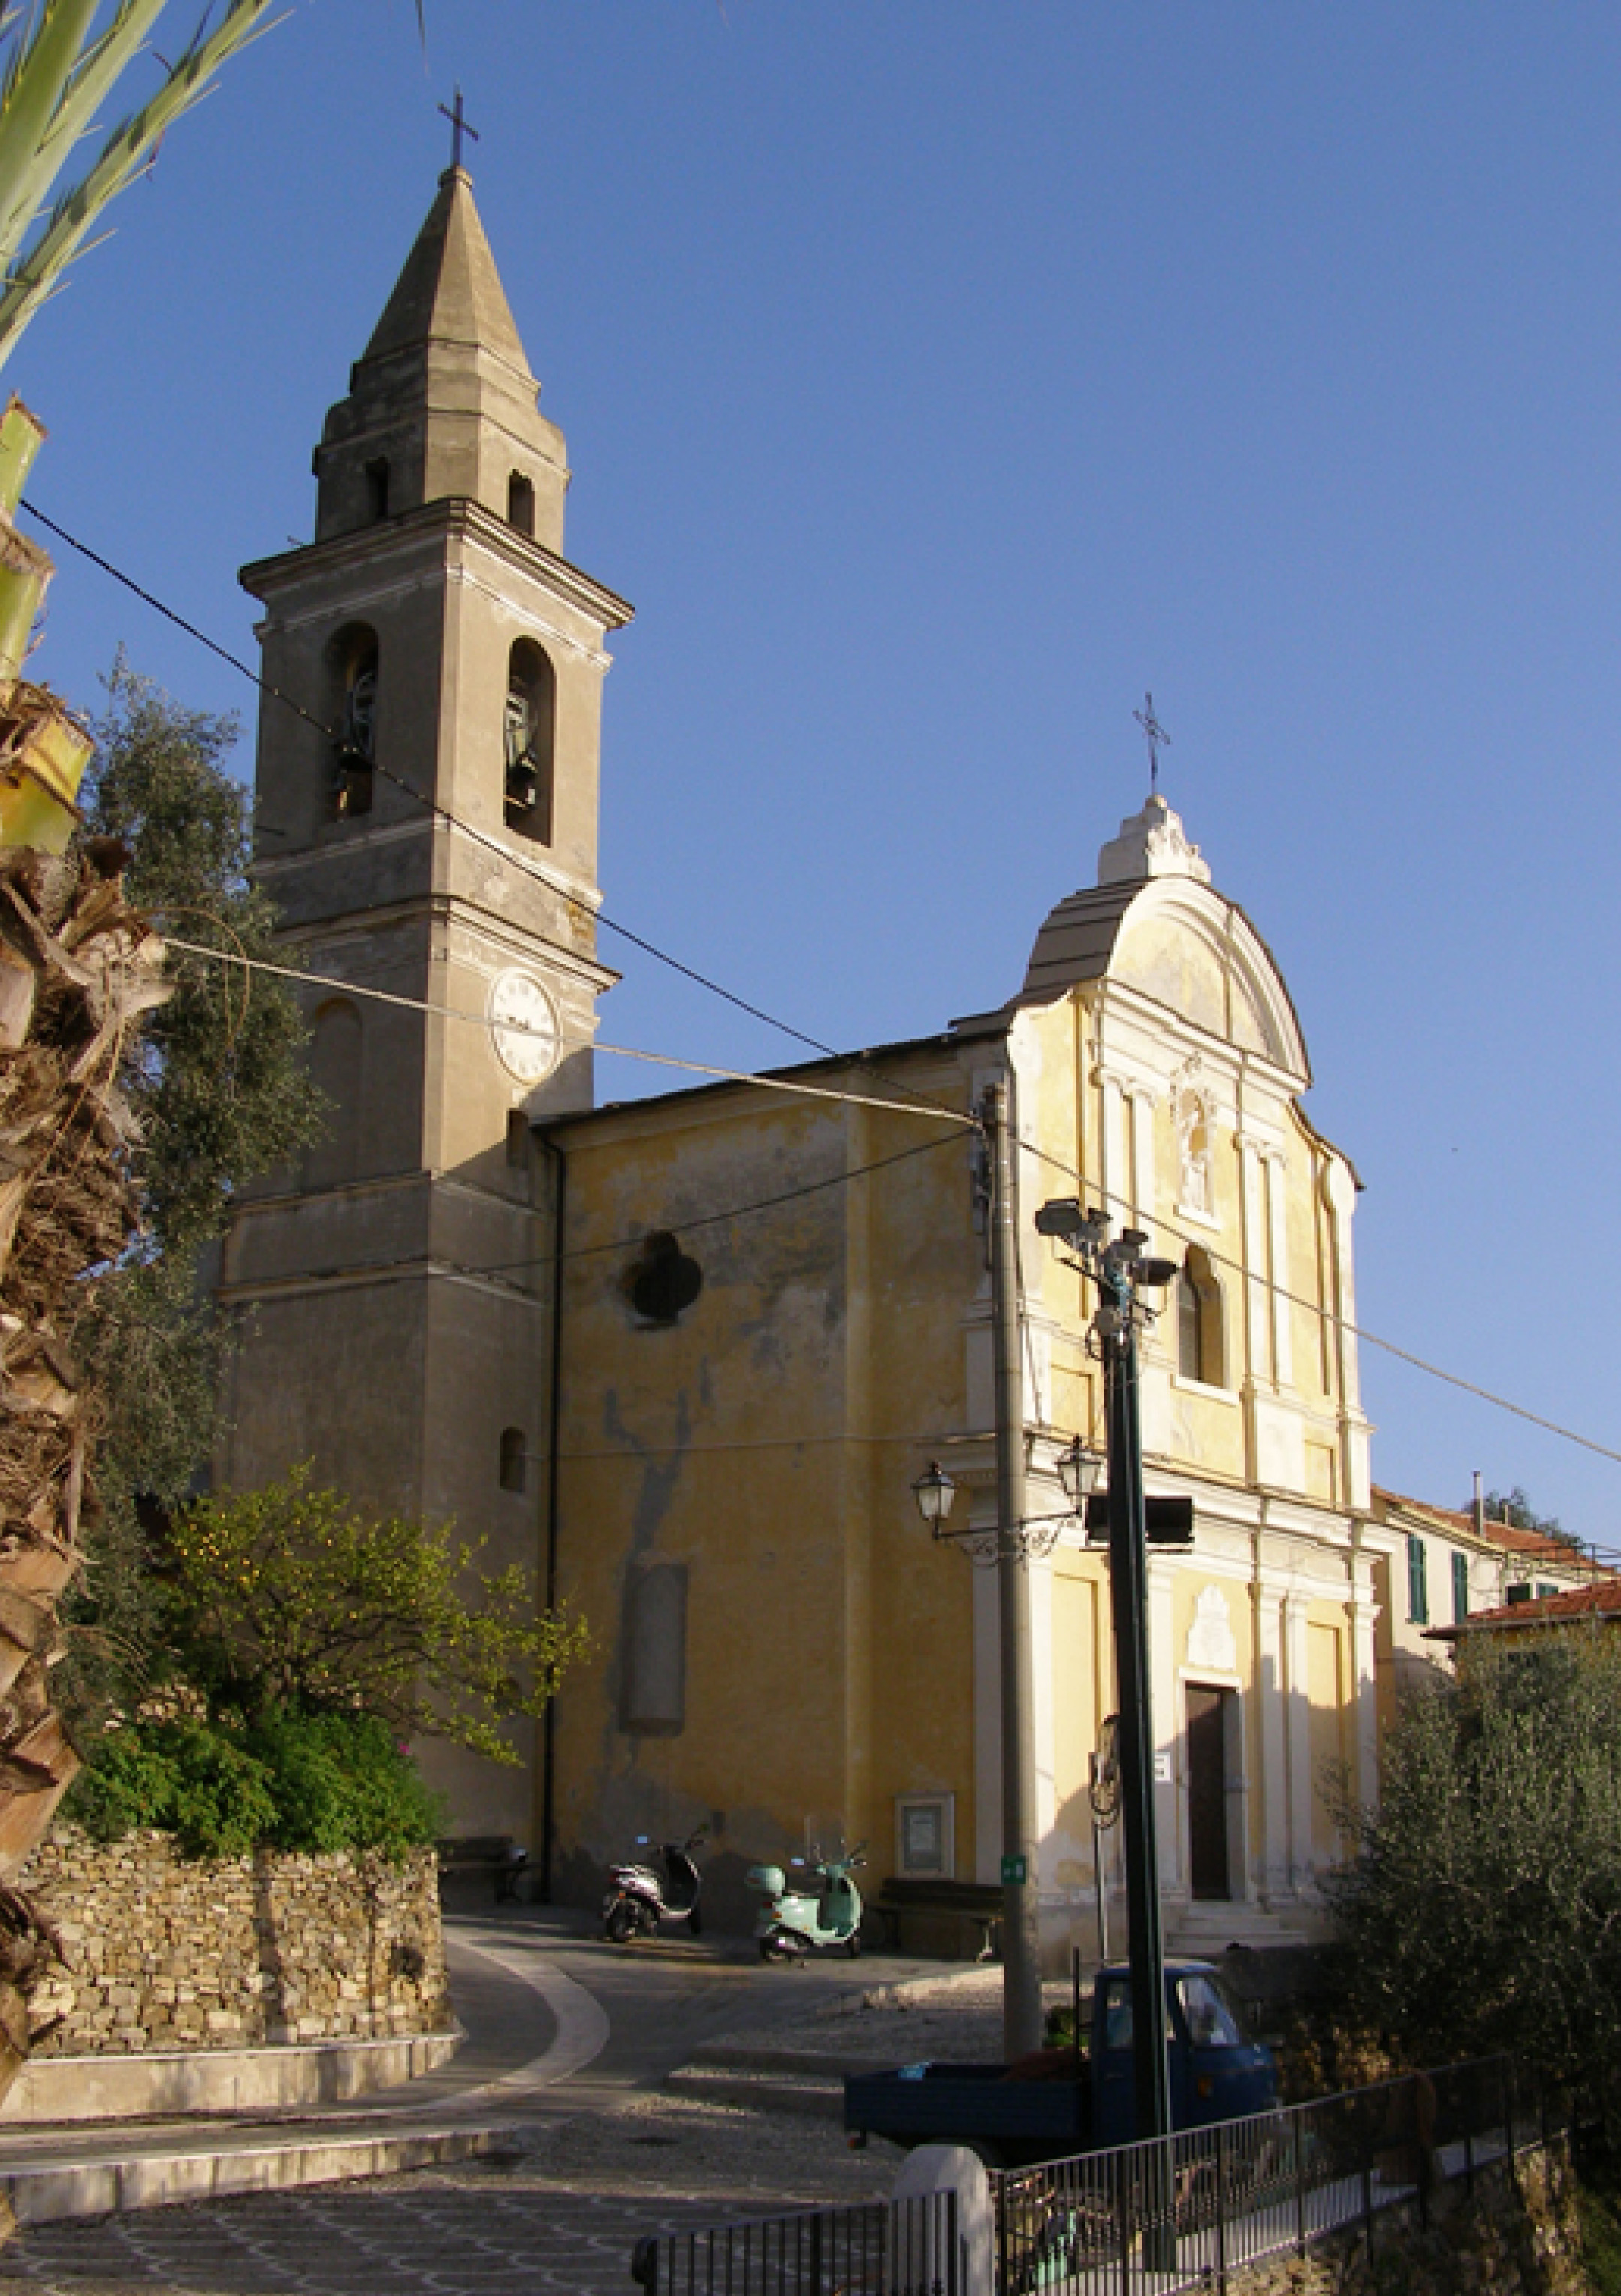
(51, 2174)
(770, 2080)
(1195, 1933)
(159, 2083)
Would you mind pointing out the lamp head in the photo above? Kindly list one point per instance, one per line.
(935, 1492)
(1080, 1469)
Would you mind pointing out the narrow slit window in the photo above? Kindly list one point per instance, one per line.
(514, 1459)
(377, 488)
(521, 503)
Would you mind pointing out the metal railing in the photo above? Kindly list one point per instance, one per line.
(1144, 2219)
(1191, 2208)
(908, 2247)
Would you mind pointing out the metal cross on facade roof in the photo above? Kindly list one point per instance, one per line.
(458, 128)
(1155, 735)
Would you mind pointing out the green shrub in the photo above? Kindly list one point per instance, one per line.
(341, 1783)
(185, 1777)
(292, 1781)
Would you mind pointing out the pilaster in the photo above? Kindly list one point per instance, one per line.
(1298, 1690)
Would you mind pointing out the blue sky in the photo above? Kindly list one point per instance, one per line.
(937, 377)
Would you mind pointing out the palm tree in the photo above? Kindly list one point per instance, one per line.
(78, 966)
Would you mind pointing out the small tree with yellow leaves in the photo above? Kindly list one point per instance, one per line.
(292, 1599)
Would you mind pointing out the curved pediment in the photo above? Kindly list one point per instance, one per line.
(1200, 955)
(1176, 940)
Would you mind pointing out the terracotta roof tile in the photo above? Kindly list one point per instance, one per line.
(1601, 1600)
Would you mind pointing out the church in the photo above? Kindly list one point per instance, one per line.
(683, 1357)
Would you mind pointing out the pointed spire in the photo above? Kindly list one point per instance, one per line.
(441, 405)
(449, 291)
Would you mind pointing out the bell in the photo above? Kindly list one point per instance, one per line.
(523, 786)
(352, 784)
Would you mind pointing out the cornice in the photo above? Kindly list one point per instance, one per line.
(456, 518)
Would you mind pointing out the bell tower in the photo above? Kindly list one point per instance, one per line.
(426, 823)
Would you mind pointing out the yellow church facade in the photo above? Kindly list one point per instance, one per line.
(683, 1358)
(773, 1310)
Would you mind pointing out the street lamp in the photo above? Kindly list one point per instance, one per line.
(935, 1492)
(1080, 1471)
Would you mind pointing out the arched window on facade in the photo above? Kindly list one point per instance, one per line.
(1199, 1351)
(514, 1459)
(335, 1071)
(521, 503)
(531, 710)
(352, 659)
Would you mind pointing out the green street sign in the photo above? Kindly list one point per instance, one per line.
(1015, 1872)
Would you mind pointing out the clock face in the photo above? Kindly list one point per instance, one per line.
(523, 1026)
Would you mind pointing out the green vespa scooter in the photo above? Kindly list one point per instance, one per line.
(794, 1923)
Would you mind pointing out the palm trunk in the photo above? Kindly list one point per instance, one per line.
(78, 968)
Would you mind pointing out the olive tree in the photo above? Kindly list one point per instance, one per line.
(1481, 1910)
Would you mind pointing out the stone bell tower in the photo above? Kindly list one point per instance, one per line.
(426, 823)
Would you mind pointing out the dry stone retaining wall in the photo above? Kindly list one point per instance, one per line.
(1516, 2235)
(169, 1952)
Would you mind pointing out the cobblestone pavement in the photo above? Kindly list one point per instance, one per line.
(560, 2219)
(560, 2216)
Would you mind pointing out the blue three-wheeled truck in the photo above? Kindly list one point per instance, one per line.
(1080, 2098)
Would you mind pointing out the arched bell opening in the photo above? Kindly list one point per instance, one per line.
(530, 729)
(352, 659)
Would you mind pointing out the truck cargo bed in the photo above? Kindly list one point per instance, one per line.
(949, 2103)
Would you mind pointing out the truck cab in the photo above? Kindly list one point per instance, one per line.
(1217, 2073)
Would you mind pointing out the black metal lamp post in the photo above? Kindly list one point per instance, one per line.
(1120, 1272)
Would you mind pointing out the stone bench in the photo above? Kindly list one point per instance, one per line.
(476, 1855)
(927, 1900)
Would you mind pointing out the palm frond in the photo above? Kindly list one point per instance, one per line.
(122, 157)
(25, 186)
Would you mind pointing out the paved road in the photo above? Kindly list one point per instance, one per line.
(555, 2220)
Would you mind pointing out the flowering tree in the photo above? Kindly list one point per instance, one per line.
(292, 1599)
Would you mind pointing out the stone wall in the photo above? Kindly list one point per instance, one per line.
(168, 1952)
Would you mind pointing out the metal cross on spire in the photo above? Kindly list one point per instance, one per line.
(1156, 737)
(459, 128)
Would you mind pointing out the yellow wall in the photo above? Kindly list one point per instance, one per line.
(767, 1441)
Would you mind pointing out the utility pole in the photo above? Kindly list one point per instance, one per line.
(1021, 1918)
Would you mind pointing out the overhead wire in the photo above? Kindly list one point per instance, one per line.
(1318, 1307)
(424, 798)
(483, 1021)
(921, 1104)
(683, 1227)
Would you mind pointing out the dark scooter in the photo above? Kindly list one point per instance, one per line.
(641, 1897)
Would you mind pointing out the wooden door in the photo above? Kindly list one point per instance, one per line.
(1207, 1791)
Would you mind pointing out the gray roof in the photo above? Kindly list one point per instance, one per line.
(1078, 940)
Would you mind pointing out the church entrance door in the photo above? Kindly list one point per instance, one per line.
(1207, 1719)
